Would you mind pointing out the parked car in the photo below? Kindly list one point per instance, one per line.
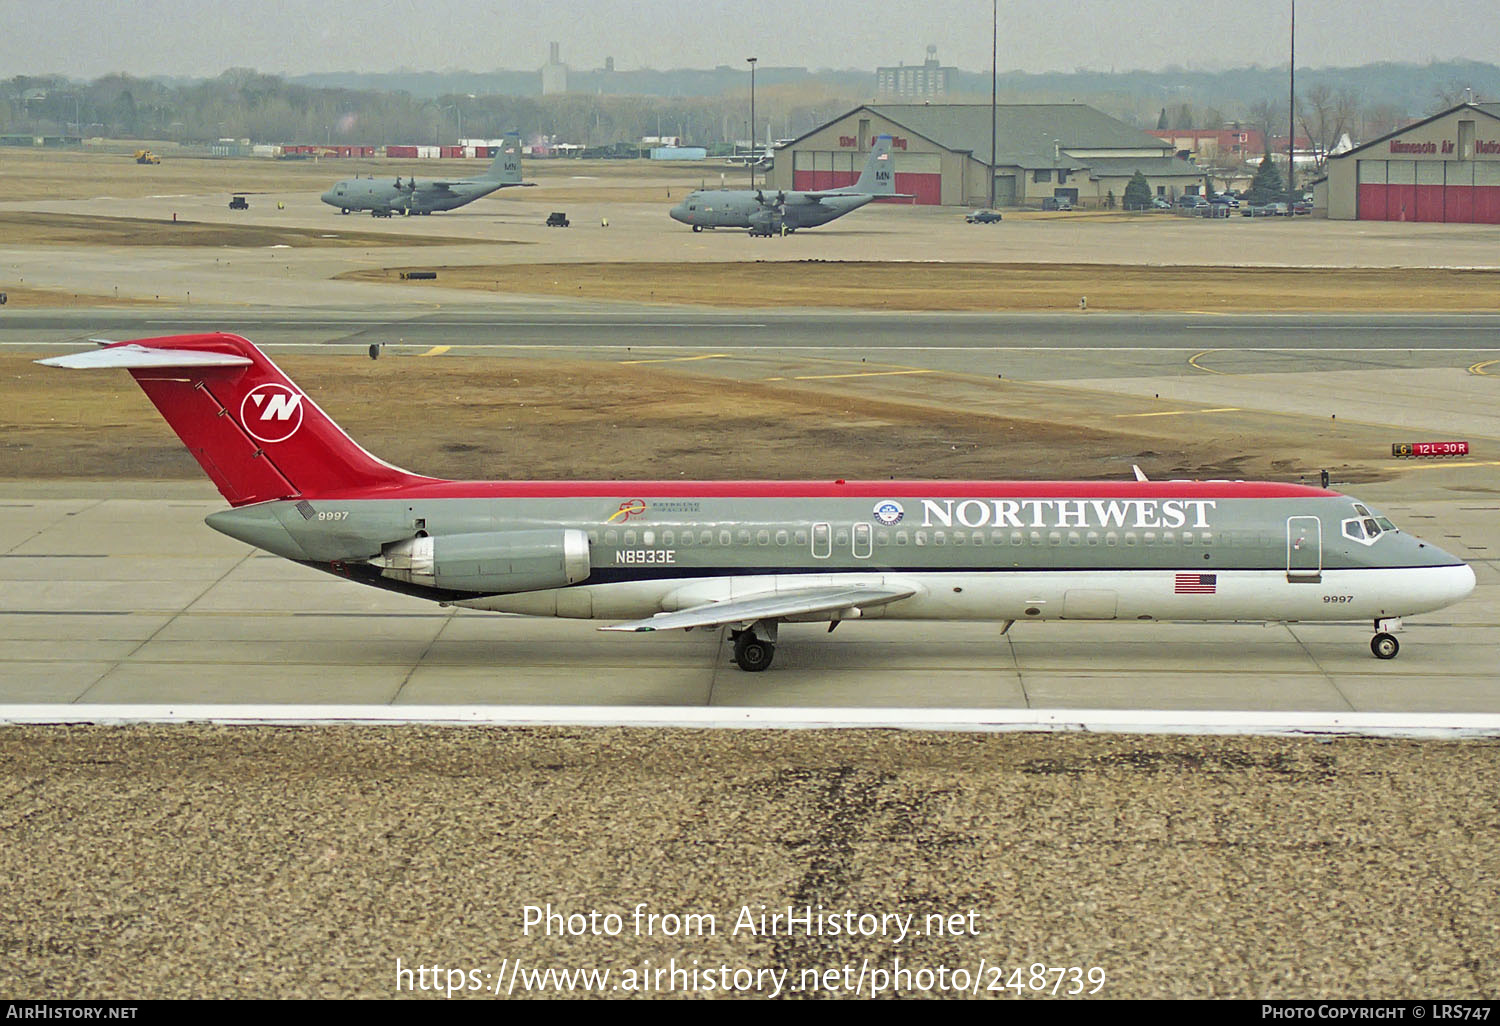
(1280, 209)
(557, 219)
(239, 203)
(984, 217)
(1191, 202)
(1160, 203)
(1301, 207)
(1224, 199)
(1256, 210)
(1057, 203)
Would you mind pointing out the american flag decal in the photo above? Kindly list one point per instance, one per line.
(1196, 584)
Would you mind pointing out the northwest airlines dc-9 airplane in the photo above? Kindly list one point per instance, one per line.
(750, 555)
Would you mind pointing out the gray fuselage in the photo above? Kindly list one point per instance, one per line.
(997, 555)
(740, 208)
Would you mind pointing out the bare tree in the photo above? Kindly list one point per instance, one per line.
(1324, 116)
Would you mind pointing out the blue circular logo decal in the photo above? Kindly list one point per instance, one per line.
(889, 512)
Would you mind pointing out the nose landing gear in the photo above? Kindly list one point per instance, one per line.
(1384, 643)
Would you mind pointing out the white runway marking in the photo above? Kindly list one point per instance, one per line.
(1109, 721)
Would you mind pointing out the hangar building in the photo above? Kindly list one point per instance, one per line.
(1446, 168)
(942, 154)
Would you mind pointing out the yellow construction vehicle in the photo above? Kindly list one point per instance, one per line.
(146, 157)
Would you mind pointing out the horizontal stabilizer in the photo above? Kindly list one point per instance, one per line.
(133, 356)
(778, 605)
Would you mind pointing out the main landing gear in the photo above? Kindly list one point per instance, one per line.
(1384, 643)
(755, 646)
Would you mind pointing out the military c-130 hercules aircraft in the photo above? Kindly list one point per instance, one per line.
(382, 198)
(751, 555)
(766, 212)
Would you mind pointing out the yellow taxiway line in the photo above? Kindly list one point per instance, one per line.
(1193, 362)
(855, 374)
(679, 359)
(1182, 413)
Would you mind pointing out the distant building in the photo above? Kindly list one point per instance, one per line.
(554, 73)
(1446, 169)
(927, 81)
(941, 154)
(1214, 145)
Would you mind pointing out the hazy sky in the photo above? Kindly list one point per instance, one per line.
(87, 38)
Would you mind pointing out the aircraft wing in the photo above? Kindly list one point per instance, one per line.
(816, 196)
(448, 186)
(777, 605)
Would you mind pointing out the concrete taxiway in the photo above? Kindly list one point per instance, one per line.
(114, 593)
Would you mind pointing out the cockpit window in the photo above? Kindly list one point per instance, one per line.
(1385, 525)
(1371, 528)
(1358, 508)
(1352, 529)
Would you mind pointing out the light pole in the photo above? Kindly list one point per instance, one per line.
(994, 85)
(752, 61)
(459, 112)
(1291, 114)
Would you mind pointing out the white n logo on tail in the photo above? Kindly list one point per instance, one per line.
(271, 413)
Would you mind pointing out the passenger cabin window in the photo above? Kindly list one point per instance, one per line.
(862, 541)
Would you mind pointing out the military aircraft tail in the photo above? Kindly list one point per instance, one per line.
(255, 433)
(506, 167)
(879, 176)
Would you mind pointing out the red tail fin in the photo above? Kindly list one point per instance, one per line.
(252, 430)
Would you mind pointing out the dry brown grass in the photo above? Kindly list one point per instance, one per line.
(984, 286)
(531, 418)
(33, 228)
(33, 174)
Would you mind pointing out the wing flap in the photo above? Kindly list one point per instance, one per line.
(777, 605)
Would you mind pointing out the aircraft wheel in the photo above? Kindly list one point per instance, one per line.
(752, 654)
(697, 227)
(1385, 646)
